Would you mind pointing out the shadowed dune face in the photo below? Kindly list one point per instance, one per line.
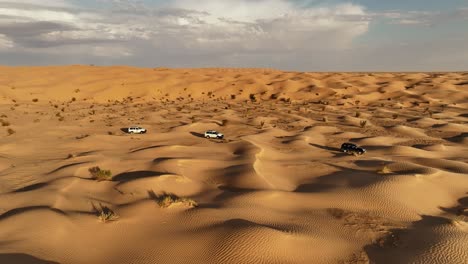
(276, 189)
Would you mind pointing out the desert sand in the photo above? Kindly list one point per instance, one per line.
(275, 190)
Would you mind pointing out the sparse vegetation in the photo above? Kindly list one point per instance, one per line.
(99, 174)
(4, 122)
(363, 123)
(35, 100)
(384, 170)
(165, 200)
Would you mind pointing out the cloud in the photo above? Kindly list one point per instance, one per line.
(186, 33)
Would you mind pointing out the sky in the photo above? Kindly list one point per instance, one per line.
(297, 35)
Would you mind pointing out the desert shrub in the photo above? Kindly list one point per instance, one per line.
(77, 90)
(384, 170)
(252, 98)
(4, 122)
(10, 131)
(110, 133)
(107, 215)
(165, 200)
(233, 96)
(357, 114)
(35, 100)
(395, 116)
(363, 123)
(100, 175)
(273, 96)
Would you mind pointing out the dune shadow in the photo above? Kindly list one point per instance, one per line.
(196, 134)
(67, 166)
(17, 211)
(400, 238)
(31, 187)
(21, 258)
(314, 187)
(134, 175)
(459, 210)
(146, 148)
(343, 178)
(458, 139)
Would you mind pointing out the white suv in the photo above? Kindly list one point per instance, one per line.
(136, 130)
(213, 134)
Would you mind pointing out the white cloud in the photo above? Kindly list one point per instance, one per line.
(5, 42)
(266, 33)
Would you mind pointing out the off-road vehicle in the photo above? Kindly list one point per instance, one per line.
(352, 149)
(213, 134)
(136, 130)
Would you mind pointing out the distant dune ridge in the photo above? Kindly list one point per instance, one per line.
(75, 188)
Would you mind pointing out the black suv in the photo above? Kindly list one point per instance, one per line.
(352, 149)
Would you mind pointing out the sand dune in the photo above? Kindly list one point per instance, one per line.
(275, 190)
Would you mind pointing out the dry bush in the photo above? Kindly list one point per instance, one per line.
(252, 98)
(10, 131)
(77, 90)
(105, 215)
(165, 200)
(384, 170)
(100, 175)
(69, 156)
(233, 96)
(358, 114)
(61, 118)
(363, 123)
(35, 100)
(395, 116)
(110, 133)
(4, 123)
(82, 136)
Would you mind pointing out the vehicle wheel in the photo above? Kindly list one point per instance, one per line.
(345, 151)
(207, 137)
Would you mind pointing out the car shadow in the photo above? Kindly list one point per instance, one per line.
(196, 134)
(325, 147)
(124, 129)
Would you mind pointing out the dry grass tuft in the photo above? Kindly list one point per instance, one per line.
(384, 170)
(4, 123)
(165, 200)
(10, 131)
(363, 123)
(100, 175)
